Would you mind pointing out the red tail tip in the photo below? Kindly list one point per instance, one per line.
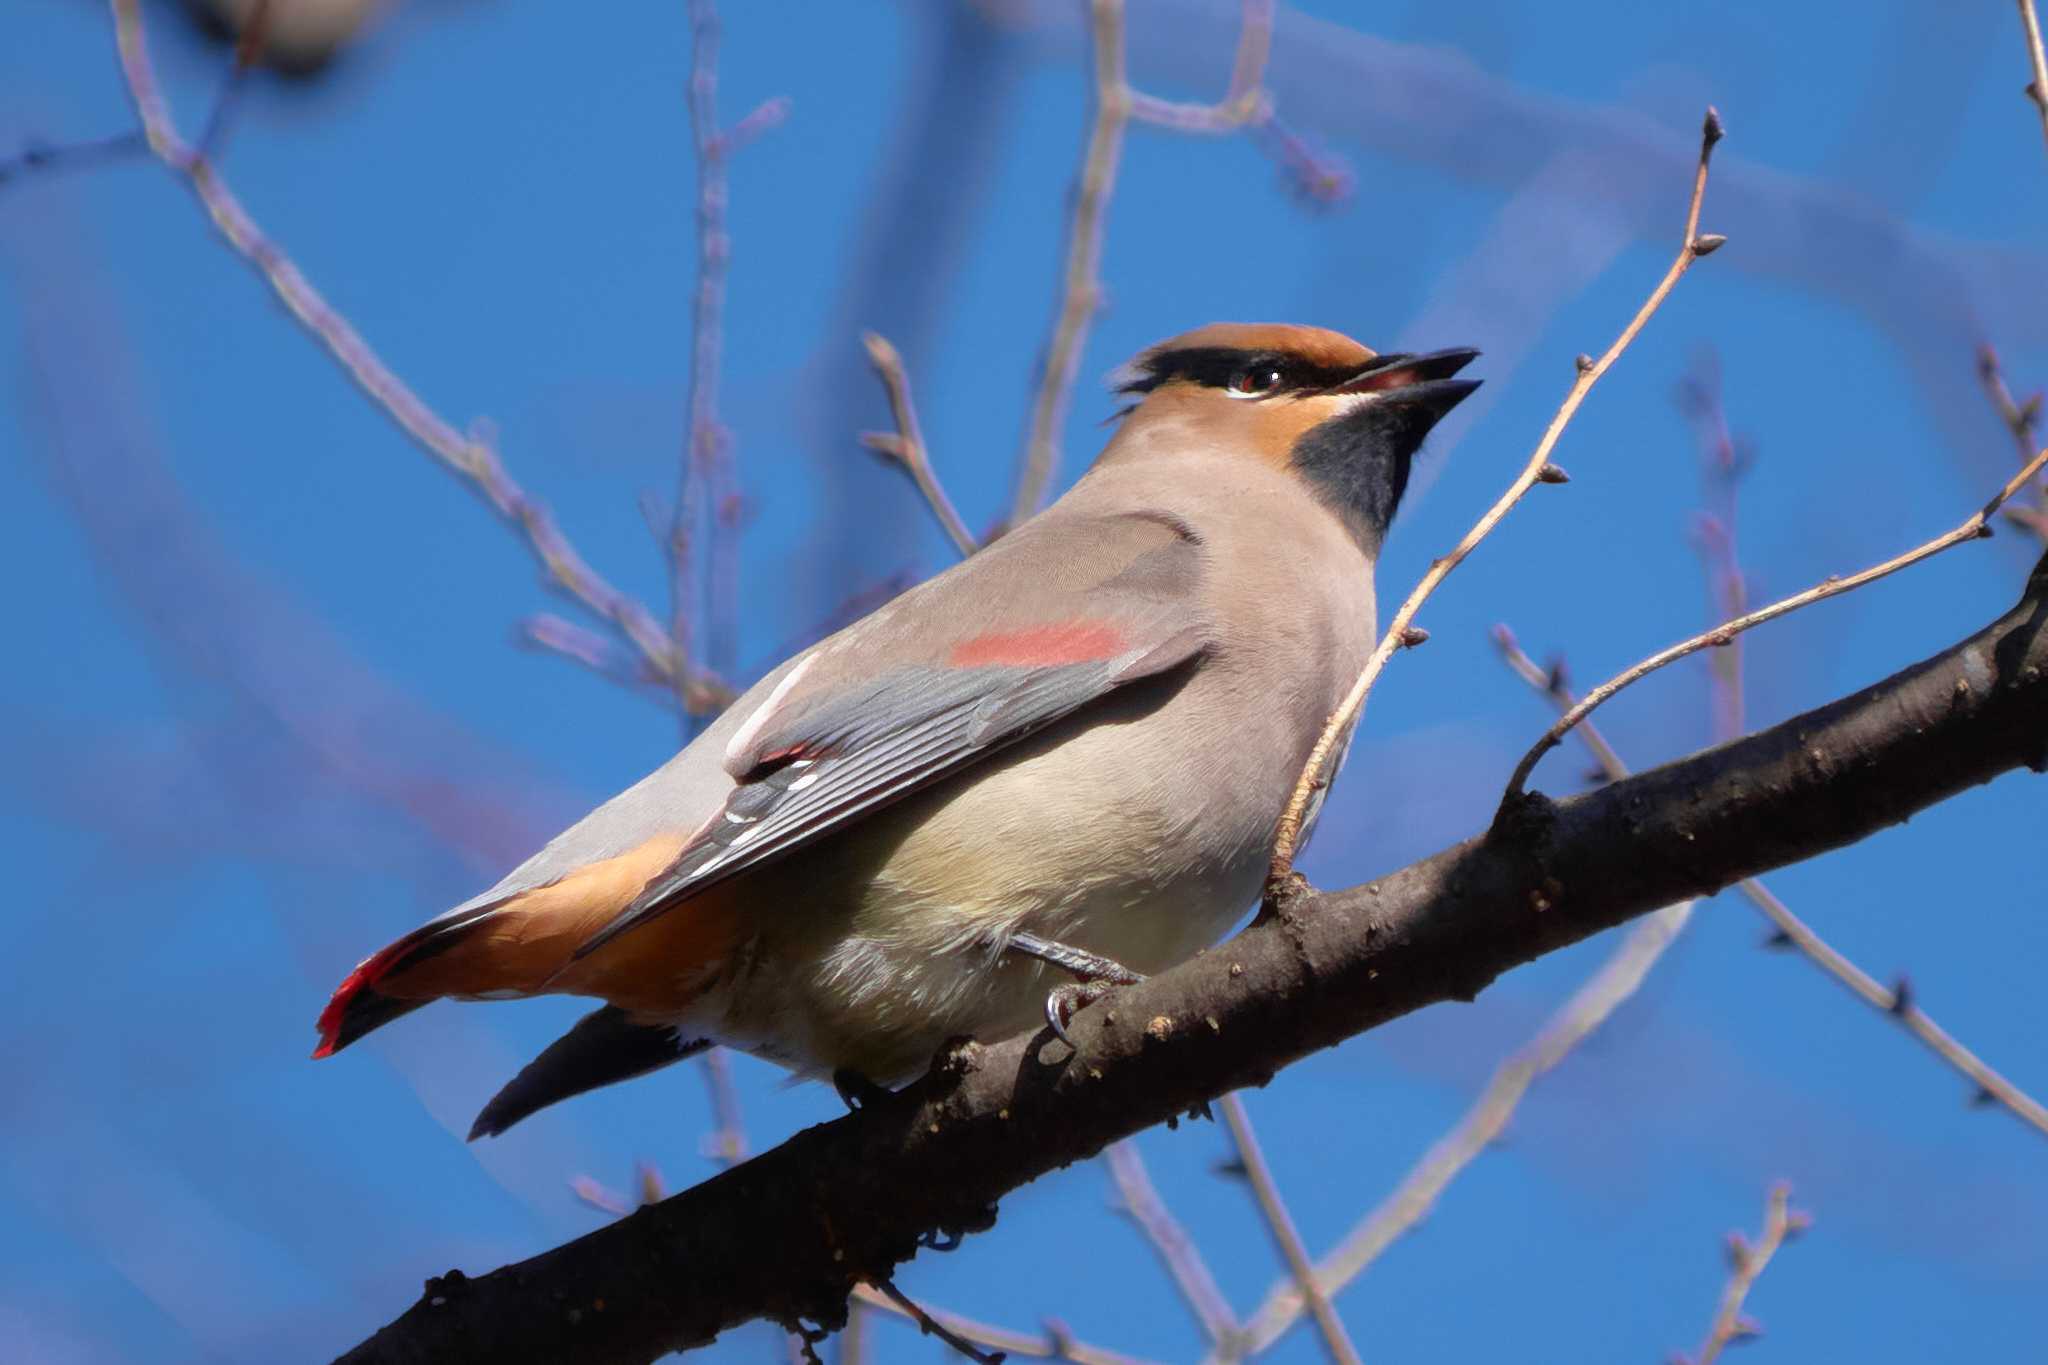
(331, 1018)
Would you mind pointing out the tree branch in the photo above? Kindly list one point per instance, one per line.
(788, 1234)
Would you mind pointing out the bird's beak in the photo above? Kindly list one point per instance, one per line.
(1422, 380)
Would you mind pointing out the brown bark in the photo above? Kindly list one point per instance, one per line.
(787, 1234)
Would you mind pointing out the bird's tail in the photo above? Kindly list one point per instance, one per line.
(447, 956)
(525, 944)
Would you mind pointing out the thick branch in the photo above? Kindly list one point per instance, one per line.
(788, 1234)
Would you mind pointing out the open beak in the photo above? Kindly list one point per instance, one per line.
(1422, 380)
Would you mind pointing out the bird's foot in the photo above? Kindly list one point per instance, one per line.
(1095, 977)
(1062, 1003)
(857, 1091)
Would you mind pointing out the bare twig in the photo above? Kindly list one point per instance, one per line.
(726, 1143)
(1588, 1008)
(932, 1327)
(1245, 102)
(248, 47)
(598, 1196)
(1116, 104)
(1317, 176)
(853, 1338)
(1746, 1264)
(907, 447)
(708, 466)
(1551, 683)
(1081, 290)
(1897, 1004)
(601, 653)
(1056, 1343)
(1722, 465)
(2037, 89)
(37, 155)
(1336, 1342)
(1400, 631)
(471, 456)
(1248, 105)
(1141, 1203)
(1975, 527)
(1991, 1086)
(2020, 419)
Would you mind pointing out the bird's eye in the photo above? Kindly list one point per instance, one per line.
(1254, 381)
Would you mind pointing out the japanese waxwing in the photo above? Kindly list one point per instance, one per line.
(1055, 765)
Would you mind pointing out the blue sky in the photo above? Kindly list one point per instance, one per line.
(268, 709)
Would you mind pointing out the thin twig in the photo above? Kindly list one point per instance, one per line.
(907, 447)
(1116, 104)
(854, 1337)
(1081, 290)
(1722, 466)
(708, 464)
(1057, 1343)
(1177, 1251)
(1245, 102)
(2037, 89)
(1746, 1264)
(603, 654)
(1591, 1005)
(1400, 631)
(1336, 1342)
(932, 1327)
(471, 457)
(1975, 527)
(1317, 177)
(248, 47)
(51, 156)
(726, 1143)
(1991, 1086)
(2020, 420)
(1897, 1004)
(1551, 683)
(599, 1196)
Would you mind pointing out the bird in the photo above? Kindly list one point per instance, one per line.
(1054, 768)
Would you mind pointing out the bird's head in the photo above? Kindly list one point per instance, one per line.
(1313, 402)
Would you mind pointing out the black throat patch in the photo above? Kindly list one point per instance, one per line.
(1358, 464)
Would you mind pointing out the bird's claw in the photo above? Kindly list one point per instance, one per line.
(856, 1091)
(1062, 1003)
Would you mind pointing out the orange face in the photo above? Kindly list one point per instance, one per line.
(1340, 416)
(1190, 378)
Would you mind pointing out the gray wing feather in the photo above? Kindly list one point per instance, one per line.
(940, 723)
(822, 760)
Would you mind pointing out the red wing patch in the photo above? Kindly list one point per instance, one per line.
(1069, 642)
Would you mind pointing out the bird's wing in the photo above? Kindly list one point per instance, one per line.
(1054, 615)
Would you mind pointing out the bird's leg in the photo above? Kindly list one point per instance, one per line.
(1094, 976)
